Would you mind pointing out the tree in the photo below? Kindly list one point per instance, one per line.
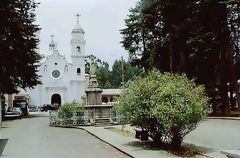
(17, 45)
(113, 79)
(122, 72)
(102, 71)
(177, 36)
(103, 76)
(171, 102)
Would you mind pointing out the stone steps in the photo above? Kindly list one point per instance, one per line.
(102, 122)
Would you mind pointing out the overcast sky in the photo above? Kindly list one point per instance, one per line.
(101, 20)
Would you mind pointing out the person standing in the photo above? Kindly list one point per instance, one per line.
(3, 109)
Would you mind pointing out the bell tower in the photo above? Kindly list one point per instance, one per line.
(78, 48)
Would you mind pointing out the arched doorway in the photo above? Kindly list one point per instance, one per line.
(56, 99)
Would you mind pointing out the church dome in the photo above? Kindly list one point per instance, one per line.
(52, 44)
(77, 29)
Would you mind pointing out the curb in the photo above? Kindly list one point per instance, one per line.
(106, 142)
(201, 146)
(225, 118)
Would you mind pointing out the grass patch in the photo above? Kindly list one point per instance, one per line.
(184, 151)
(122, 132)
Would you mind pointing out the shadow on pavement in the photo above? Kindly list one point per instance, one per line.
(186, 150)
(3, 143)
(35, 115)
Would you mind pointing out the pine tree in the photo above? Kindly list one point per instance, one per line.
(18, 43)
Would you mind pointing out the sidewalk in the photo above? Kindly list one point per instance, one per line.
(126, 144)
(205, 150)
(208, 138)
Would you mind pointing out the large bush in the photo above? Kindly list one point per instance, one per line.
(135, 106)
(179, 104)
(168, 106)
(66, 111)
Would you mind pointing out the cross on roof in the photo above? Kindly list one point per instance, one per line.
(78, 16)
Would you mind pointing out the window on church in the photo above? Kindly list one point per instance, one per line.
(66, 68)
(78, 49)
(78, 71)
(55, 63)
(45, 68)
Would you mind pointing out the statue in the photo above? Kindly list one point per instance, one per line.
(93, 68)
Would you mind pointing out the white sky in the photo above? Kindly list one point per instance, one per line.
(101, 20)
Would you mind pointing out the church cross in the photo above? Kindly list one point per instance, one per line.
(78, 16)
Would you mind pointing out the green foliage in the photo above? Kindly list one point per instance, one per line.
(18, 45)
(177, 36)
(134, 103)
(179, 104)
(113, 79)
(176, 102)
(103, 76)
(92, 58)
(123, 71)
(66, 110)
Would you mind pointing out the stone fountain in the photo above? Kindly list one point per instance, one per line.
(98, 113)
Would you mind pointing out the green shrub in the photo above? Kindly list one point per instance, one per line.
(66, 111)
(135, 106)
(167, 105)
(179, 104)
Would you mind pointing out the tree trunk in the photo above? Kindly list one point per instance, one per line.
(224, 87)
(225, 99)
(0, 107)
(176, 138)
(233, 74)
(171, 56)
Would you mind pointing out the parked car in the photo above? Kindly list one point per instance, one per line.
(16, 110)
(32, 108)
(22, 104)
(47, 107)
(13, 112)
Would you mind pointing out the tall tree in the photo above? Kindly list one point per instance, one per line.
(122, 72)
(103, 76)
(17, 45)
(178, 36)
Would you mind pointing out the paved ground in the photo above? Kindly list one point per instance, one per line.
(129, 145)
(212, 136)
(33, 138)
(219, 134)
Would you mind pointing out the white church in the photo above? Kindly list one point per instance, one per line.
(62, 82)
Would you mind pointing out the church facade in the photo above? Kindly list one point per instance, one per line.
(62, 82)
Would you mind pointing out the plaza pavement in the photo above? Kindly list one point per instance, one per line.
(32, 137)
(126, 144)
(210, 137)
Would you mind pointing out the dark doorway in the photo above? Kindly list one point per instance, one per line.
(56, 99)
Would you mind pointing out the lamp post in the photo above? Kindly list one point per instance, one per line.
(122, 72)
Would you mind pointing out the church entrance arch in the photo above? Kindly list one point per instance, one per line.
(56, 99)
